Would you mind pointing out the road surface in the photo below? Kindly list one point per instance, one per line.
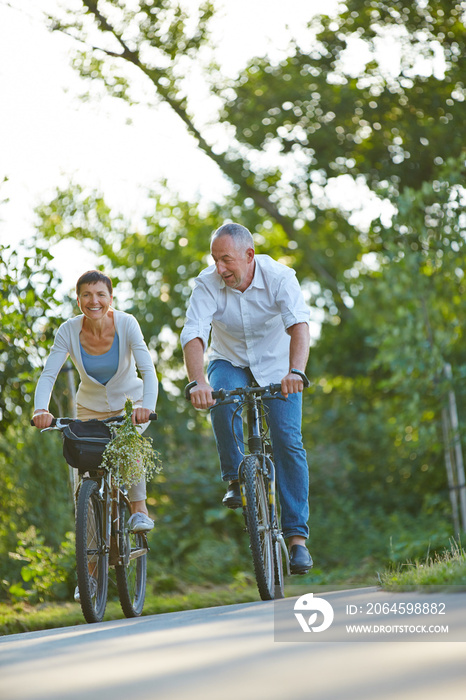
(231, 653)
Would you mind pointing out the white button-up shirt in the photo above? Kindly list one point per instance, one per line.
(248, 328)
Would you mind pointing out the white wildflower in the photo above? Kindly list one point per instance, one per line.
(129, 455)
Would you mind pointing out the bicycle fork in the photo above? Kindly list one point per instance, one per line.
(265, 464)
(276, 532)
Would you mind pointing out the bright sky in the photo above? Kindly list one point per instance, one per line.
(49, 136)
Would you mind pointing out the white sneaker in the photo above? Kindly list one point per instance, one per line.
(140, 522)
(77, 597)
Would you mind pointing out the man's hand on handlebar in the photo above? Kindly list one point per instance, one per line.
(42, 420)
(201, 395)
(291, 384)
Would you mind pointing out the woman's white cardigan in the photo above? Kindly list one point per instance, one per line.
(124, 384)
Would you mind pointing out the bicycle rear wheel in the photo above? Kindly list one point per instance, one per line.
(258, 523)
(91, 552)
(131, 573)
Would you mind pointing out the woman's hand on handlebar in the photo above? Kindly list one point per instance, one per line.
(201, 396)
(42, 420)
(141, 415)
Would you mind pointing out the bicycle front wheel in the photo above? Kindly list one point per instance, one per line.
(91, 552)
(258, 523)
(278, 569)
(132, 571)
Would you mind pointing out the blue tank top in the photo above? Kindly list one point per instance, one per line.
(102, 367)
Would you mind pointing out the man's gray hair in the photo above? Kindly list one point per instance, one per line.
(240, 234)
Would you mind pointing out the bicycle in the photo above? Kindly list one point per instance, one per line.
(103, 539)
(256, 476)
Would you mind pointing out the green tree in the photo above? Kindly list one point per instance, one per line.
(33, 477)
(321, 117)
(28, 309)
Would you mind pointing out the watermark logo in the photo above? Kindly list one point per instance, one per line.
(312, 606)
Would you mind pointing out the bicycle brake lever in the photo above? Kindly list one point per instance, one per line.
(270, 395)
(223, 403)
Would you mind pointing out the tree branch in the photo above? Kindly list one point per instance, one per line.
(229, 168)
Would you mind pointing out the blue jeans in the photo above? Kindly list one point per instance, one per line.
(284, 419)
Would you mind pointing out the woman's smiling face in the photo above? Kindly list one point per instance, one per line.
(94, 300)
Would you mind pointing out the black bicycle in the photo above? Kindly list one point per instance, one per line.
(256, 476)
(103, 538)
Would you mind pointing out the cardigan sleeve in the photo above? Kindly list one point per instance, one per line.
(55, 361)
(144, 363)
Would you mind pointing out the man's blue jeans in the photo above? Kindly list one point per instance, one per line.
(284, 419)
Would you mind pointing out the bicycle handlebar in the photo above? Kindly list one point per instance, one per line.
(61, 422)
(223, 394)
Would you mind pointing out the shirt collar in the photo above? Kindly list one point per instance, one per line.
(258, 279)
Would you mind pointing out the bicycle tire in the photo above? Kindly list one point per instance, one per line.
(91, 552)
(279, 578)
(258, 524)
(132, 572)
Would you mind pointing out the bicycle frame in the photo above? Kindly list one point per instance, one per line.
(258, 446)
(111, 496)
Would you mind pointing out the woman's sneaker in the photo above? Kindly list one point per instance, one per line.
(140, 522)
(93, 582)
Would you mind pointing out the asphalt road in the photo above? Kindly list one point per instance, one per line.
(233, 652)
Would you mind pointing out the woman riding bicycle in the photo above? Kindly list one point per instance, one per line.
(107, 347)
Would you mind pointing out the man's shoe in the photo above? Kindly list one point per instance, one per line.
(232, 498)
(93, 582)
(300, 559)
(140, 522)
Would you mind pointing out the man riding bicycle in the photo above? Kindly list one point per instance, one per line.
(260, 331)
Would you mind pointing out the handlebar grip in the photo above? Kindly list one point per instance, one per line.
(187, 390)
(153, 416)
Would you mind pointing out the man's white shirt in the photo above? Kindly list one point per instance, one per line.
(248, 328)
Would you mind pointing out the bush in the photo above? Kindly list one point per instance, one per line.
(47, 574)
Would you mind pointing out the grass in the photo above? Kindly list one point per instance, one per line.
(441, 571)
(24, 617)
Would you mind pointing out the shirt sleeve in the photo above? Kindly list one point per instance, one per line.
(144, 363)
(53, 365)
(199, 315)
(291, 302)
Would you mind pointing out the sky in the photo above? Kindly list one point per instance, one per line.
(49, 136)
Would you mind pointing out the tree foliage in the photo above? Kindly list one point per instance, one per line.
(28, 310)
(298, 125)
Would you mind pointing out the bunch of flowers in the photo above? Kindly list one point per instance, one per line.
(129, 455)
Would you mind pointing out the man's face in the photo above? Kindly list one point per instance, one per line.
(234, 265)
